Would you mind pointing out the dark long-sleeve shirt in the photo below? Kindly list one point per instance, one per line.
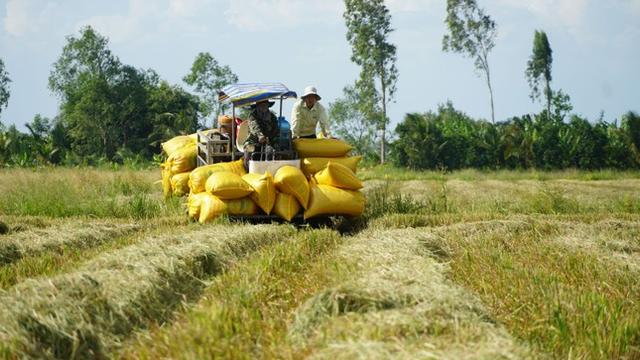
(266, 126)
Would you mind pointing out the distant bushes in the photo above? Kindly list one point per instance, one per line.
(449, 139)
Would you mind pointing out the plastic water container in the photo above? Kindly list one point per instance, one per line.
(285, 132)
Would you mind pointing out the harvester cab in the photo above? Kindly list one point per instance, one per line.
(213, 149)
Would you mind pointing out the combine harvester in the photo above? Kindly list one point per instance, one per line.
(303, 181)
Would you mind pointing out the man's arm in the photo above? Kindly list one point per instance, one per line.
(296, 119)
(323, 119)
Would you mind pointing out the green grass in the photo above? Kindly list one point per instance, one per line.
(64, 192)
(381, 172)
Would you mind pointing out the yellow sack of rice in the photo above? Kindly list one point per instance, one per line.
(312, 165)
(177, 143)
(321, 147)
(193, 205)
(210, 208)
(264, 190)
(241, 207)
(199, 176)
(329, 200)
(165, 169)
(180, 184)
(227, 185)
(338, 175)
(286, 206)
(290, 180)
(236, 167)
(183, 159)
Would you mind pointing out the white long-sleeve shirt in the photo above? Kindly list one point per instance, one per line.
(305, 120)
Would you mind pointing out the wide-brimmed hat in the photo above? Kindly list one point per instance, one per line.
(310, 90)
(224, 120)
(271, 103)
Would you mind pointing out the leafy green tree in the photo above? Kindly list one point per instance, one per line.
(472, 34)
(82, 58)
(41, 146)
(549, 147)
(368, 28)
(561, 104)
(517, 138)
(5, 141)
(174, 112)
(4, 86)
(539, 68)
(353, 124)
(108, 108)
(420, 142)
(631, 126)
(208, 77)
(84, 77)
(617, 149)
(446, 139)
(587, 143)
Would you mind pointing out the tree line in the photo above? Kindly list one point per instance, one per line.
(449, 139)
(110, 111)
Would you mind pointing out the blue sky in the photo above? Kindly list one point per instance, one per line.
(596, 48)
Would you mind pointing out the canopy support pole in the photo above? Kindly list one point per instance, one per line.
(232, 146)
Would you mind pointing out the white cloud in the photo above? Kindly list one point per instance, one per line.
(27, 16)
(635, 5)
(117, 28)
(187, 8)
(255, 15)
(412, 5)
(566, 13)
(145, 18)
(121, 27)
(17, 21)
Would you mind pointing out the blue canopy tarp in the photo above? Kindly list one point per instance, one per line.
(248, 93)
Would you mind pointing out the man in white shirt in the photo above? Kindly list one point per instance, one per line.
(307, 113)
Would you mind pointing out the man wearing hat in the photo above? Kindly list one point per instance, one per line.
(223, 132)
(224, 125)
(263, 129)
(307, 113)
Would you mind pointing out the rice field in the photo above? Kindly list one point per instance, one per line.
(515, 265)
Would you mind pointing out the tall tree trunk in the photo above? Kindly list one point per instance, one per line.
(486, 69)
(547, 91)
(384, 119)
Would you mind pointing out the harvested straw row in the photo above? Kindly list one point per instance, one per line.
(568, 285)
(23, 223)
(398, 303)
(605, 236)
(88, 312)
(71, 233)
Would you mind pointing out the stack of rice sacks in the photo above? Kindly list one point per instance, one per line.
(325, 185)
(181, 154)
(226, 188)
(334, 188)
